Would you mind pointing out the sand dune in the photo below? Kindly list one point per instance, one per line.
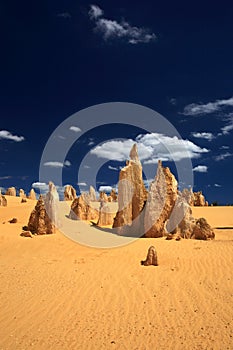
(57, 294)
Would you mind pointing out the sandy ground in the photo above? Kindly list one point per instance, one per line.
(57, 294)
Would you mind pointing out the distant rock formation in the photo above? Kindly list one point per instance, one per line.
(22, 193)
(199, 199)
(81, 209)
(161, 200)
(3, 200)
(113, 196)
(32, 194)
(151, 258)
(106, 217)
(131, 197)
(11, 191)
(13, 221)
(44, 218)
(92, 194)
(103, 196)
(69, 193)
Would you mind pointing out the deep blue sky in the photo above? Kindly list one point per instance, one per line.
(55, 63)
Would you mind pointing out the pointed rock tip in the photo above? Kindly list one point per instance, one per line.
(134, 153)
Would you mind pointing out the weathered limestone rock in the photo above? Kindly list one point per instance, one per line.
(13, 221)
(39, 222)
(131, 197)
(188, 195)
(52, 204)
(202, 230)
(151, 258)
(161, 200)
(69, 193)
(113, 196)
(199, 199)
(92, 194)
(81, 209)
(11, 191)
(32, 194)
(44, 218)
(22, 193)
(26, 234)
(106, 217)
(3, 200)
(181, 221)
(103, 197)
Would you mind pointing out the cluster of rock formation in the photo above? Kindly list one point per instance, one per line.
(44, 218)
(195, 199)
(106, 217)
(162, 211)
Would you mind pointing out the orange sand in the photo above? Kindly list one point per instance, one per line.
(57, 294)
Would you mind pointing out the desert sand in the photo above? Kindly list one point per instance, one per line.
(57, 294)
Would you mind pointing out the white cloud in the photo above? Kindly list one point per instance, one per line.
(217, 185)
(203, 135)
(224, 147)
(106, 189)
(95, 12)
(173, 101)
(151, 148)
(41, 186)
(82, 184)
(223, 156)
(111, 29)
(201, 169)
(113, 168)
(54, 164)
(87, 167)
(6, 135)
(75, 129)
(194, 109)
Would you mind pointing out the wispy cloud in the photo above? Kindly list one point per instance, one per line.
(173, 101)
(113, 168)
(223, 156)
(229, 126)
(195, 109)
(65, 15)
(6, 135)
(95, 12)
(201, 169)
(217, 185)
(203, 135)
(75, 129)
(151, 148)
(54, 164)
(5, 177)
(224, 147)
(112, 29)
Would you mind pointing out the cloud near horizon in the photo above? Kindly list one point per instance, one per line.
(75, 129)
(7, 135)
(197, 109)
(111, 29)
(151, 148)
